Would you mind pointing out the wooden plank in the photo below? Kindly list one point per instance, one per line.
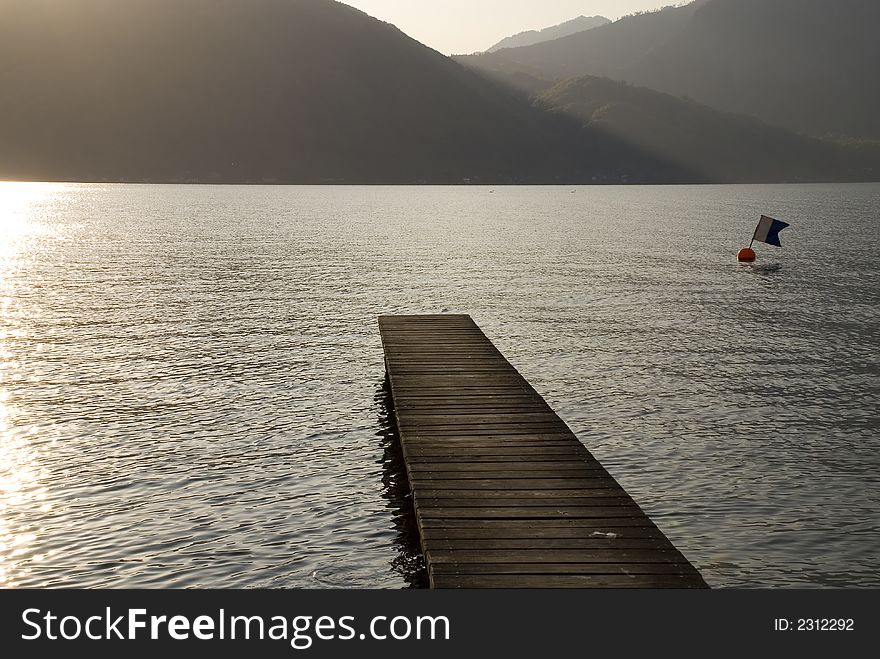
(473, 457)
(479, 418)
(475, 409)
(595, 525)
(655, 581)
(557, 536)
(483, 494)
(585, 467)
(471, 386)
(679, 569)
(523, 446)
(505, 481)
(458, 543)
(464, 453)
(523, 502)
(486, 486)
(549, 472)
(456, 399)
(496, 557)
(497, 439)
(472, 408)
(486, 431)
(476, 455)
(464, 428)
(505, 495)
(555, 464)
(535, 512)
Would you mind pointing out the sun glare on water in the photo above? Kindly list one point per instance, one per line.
(17, 201)
(21, 487)
(20, 219)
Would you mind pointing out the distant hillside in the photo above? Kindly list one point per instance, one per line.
(257, 90)
(609, 51)
(579, 24)
(295, 91)
(723, 147)
(809, 65)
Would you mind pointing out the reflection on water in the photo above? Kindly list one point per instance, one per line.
(409, 561)
(188, 374)
(766, 269)
(22, 490)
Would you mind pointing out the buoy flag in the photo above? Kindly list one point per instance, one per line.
(768, 230)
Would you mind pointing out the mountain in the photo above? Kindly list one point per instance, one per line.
(808, 65)
(256, 90)
(721, 146)
(291, 91)
(609, 51)
(579, 24)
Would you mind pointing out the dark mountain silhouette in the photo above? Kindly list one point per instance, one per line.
(299, 91)
(809, 65)
(579, 24)
(253, 90)
(722, 146)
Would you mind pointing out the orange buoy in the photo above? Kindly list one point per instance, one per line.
(746, 255)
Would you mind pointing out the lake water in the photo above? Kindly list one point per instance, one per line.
(191, 377)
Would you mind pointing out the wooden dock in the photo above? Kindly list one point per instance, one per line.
(505, 495)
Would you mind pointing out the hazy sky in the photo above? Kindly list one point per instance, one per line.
(465, 26)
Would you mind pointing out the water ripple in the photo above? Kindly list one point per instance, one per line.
(190, 377)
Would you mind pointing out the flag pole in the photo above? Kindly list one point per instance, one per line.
(755, 234)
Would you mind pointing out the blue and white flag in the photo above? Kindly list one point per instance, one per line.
(768, 231)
